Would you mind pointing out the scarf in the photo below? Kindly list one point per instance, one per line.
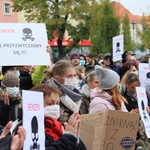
(53, 128)
(74, 94)
(132, 96)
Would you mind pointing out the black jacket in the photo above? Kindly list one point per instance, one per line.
(5, 143)
(9, 112)
(65, 142)
(132, 101)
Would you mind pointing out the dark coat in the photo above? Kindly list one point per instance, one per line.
(5, 143)
(9, 112)
(65, 142)
(132, 102)
(84, 108)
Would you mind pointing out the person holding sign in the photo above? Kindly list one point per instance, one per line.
(57, 136)
(108, 97)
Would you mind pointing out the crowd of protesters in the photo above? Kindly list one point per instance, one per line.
(80, 84)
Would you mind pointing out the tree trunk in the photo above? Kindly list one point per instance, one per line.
(60, 48)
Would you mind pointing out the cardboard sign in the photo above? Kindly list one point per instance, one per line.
(144, 73)
(109, 130)
(142, 104)
(23, 44)
(33, 120)
(118, 47)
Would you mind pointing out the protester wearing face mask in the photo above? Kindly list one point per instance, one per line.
(10, 100)
(81, 69)
(57, 136)
(107, 97)
(28, 81)
(82, 60)
(91, 83)
(64, 78)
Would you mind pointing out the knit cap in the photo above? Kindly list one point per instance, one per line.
(107, 78)
(74, 55)
(10, 80)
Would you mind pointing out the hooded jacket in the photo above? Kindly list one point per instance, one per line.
(101, 100)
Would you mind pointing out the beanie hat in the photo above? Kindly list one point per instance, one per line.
(107, 78)
(74, 55)
(10, 80)
(5, 68)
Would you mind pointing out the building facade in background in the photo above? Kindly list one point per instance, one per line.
(6, 12)
(8, 16)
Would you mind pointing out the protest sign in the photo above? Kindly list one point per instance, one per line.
(23, 44)
(109, 130)
(118, 47)
(144, 73)
(142, 104)
(33, 120)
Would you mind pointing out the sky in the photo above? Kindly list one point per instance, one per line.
(136, 7)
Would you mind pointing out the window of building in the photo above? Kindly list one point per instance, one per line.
(6, 8)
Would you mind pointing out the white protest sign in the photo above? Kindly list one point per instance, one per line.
(118, 47)
(144, 73)
(23, 44)
(142, 104)
(33, 120)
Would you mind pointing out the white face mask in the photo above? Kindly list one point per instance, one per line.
(17, 73)
(13, 91)
(83, 75)
(71, 82)
(52, 111)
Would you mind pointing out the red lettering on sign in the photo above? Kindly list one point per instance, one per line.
(33, 107)
(142, 95)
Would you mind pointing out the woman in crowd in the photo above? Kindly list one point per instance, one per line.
(57, 136)
(129, 83)
(81, 69)
(10, 100)
(130, 66)
(91, 83)
(108, 97)
(64, 78)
